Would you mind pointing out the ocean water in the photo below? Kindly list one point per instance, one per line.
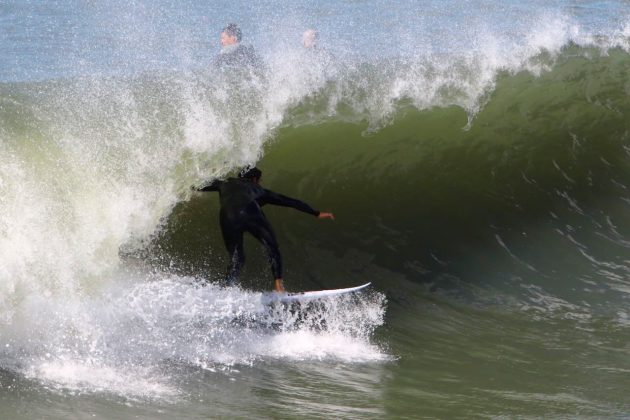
(476, 156)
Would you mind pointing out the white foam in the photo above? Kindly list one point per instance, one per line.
(81, 376)
(308, 345)
(126, 341)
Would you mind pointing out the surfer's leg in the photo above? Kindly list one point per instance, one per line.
(233, 239)
(237, 259)
(261, 230)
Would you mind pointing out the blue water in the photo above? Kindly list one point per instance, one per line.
(57, 39)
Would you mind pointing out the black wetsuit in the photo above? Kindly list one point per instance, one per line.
(241, 202)
(237, 56)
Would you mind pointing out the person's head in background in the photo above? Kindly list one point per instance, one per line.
(231, 35)
(309, 38)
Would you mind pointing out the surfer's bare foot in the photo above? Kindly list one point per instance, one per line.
(279, 287)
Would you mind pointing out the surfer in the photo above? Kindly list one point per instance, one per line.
(241, 201)
(233, 53)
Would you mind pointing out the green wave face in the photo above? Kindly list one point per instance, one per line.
(526, 187)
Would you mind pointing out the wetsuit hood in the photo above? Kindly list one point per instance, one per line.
(250, 173)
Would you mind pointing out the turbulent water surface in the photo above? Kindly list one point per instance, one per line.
(476, 156)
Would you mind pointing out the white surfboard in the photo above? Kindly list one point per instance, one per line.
(272, 297)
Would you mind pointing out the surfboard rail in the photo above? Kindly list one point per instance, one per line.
(271, 297)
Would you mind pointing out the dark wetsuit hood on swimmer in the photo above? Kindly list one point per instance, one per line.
(241, 201)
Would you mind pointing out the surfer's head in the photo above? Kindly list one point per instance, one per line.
(252, 174)
(231, 35)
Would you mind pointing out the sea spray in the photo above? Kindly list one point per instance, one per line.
(125, 341)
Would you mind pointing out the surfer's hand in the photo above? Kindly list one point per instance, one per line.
(325, 215)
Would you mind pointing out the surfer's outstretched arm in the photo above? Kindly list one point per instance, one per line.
(213, 186)
(271, 197)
